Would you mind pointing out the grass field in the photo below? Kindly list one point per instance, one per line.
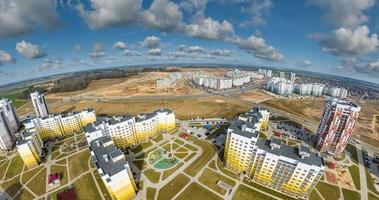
(152, 175)
(62, 171)
(168, 191)
(196, 191)
(314, 196)
(329, 192)
(167, 173)
(29, 174)
(15, 167)
(103, 188)
(3, 168)
(353, 151)
(354, 172)
(180, 155)
(150, 193)
(372, 197)
(244, 192)
(158, 138)
(199, 163)
(268, 190)
(13, 95)
(24, 195)
(86, 188)
(141, 147)
(350, 195)
(189, 157)
(12, 186)
(370, 182)
(140, 164)
(220, 165)
(210, 178)
(38, 183)
(78, 163)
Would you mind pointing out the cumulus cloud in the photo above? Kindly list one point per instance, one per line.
(151, 42)
(131, 53)
(352, 64)
(258, 48)
(119, 45)
(155, 52)
(210, 29)
(110, 13)
(196, 48)
(49, 64)
(162, 15)
(344, 13)
(257, 9)
(304, 63)
(173, 55)
(222, 52)
(344, 41)
(98, 50)
(5, 57)
(29, 50)
(18, 17)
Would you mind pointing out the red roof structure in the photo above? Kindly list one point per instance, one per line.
(53, 177)
(184, 135)
(69, 194)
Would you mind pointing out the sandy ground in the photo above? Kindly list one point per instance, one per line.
(255, 96)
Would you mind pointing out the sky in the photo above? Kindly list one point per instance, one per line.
(46, 37)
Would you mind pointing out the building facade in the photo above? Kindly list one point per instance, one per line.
(60, 125)
(280, 86)
(113, 168)
(39, 104)
(29, 147)
(291, 170)
(7, 138)
(127, 131)
(336, 125)
(10, 114)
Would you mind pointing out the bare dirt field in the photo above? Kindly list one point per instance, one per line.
(255, 96)
(211, 71)
(366, 128)
(138, 85)
(184, 109)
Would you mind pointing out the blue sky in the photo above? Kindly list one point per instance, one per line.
(43, 37)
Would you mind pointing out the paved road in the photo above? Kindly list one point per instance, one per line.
(362, 175)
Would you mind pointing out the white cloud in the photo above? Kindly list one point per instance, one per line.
(162, 15)
(258, 48)
(119, 45)
(176, 54)
(350, 42)
(110, 13)
(257, 9)
(49, 64)
(222, 52)
(131, 53)
(304, 63)
(151, 42)
(29, 50)
(97, 54)
(154, 52)
(18, 17)
(197, 49)
(6, 57)
(98, 50)
(210, 29)
(345, 13)
(352, 64)
(181, 47)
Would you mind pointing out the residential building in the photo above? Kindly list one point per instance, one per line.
(291, 170)
(282, 75)
(336, 125)
(292, 77)
(60, 125)
(266, 72)
(29, 146)
(10, 114)
(127, 131)
(280, 86)
(39, 104)
(113, 169)
(308, 89)
(336, 92)
(7, 138)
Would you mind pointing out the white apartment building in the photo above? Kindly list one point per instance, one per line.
(10, 114)
(308, 89)
(29, 146)
(127, 131)
(7, 138)
(266, 72)
(282, 75)
(292, 77)
(39, 104)
(113, 169)
(280, 86)
(335, 92)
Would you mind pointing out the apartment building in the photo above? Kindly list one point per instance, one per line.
(39, 104)
(336, 125)
(7, 138)
(309, 89)
(266, 72)
(292, 77)
(10, 114)
(292, 170)
(29, 146)
(113, 168)
(127, 131)
(60, 125)
(336, 92)
(280, 86)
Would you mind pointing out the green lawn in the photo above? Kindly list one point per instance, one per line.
(244, 192)
(196, 191)
(167, 173)
(141, 147)
(329, 192)
(168, 191)
(24, 195)
(182, 149)
(180, 155)
(78, 163)
(205, 157)
(174, 146)
(12, 186)
(15, 167)
(353, 151)
(158, 138)
(210, 178)
(38, 183)
(150, 193)
(152, 175)
(179, 141)
(29, 174)
(370, 182)
(140, 164)
(13, 95)
(354, 172)
(190, 147)
(221, 166)
(372, 196)
(268, 190)
(102, 186)
(314, 196)
(189, 157)
(212, 165)
(86, 188)
(350, 195)
(3, 168)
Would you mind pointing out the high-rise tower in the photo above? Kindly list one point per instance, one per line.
(7, 139)
(11, 114)
(336, 125)
(39, 104)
